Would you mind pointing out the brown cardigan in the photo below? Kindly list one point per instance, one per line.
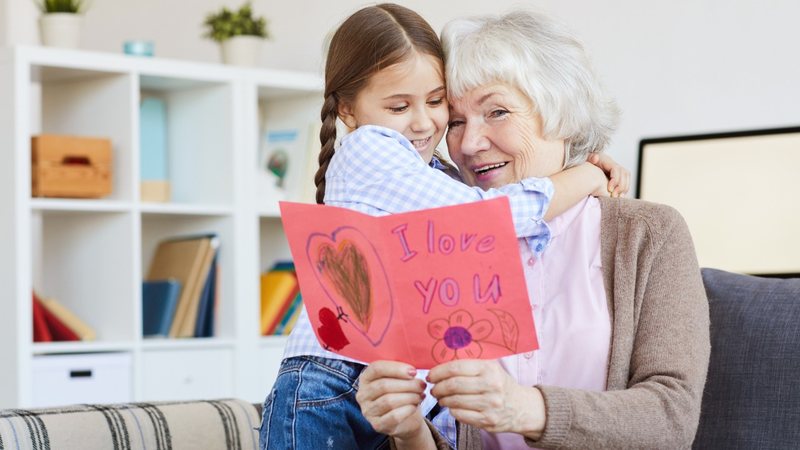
(659, 344)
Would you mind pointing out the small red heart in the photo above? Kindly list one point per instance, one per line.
(331, 332)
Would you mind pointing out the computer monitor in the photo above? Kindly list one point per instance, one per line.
(739, 193)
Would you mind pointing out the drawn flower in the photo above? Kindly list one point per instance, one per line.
(458, 337)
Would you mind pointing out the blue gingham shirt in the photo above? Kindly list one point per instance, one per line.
(377, 171)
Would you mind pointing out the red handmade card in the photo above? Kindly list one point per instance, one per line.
(423, 287)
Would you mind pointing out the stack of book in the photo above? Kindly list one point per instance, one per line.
(179, 294)
(281, 302)
(52, 321)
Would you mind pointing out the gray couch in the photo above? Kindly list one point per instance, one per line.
(752, 396)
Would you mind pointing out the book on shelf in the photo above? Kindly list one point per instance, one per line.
(52, 321)
(204, 326)
(58, 330)
(283, 311)
(186, 259)
(278, 152)
(159, 301)
(283, 266)
(153, 157)
(68, 319)
(292, 321)
(41, 333)
(278, 290)
(188, 324)
(287, 321)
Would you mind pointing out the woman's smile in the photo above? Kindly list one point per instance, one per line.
(484, 173)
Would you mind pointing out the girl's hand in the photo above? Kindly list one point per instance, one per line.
(619, 178)
(389, 397)
(483, 394)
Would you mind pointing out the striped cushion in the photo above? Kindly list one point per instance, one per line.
(212, 424)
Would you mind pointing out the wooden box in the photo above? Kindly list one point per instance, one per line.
(70, 166)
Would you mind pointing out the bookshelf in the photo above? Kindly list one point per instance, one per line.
(91, 254)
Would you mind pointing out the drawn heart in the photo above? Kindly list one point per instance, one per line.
(351, 273)
(346, 268)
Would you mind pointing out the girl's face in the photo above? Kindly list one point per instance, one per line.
(408, 97)
(495, 138)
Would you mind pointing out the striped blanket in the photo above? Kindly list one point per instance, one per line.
(192, 425)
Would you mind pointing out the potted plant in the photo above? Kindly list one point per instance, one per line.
(60, 23)
(239, 34)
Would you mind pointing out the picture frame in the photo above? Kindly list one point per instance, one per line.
(737, 192)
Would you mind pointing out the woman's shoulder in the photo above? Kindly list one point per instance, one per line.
(656, 218)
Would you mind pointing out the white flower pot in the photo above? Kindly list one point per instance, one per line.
(242, 50)
(60, 29)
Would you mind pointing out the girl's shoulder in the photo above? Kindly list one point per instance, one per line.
(379, 144)
(374, 134)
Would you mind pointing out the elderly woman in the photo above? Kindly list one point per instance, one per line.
(619, 305)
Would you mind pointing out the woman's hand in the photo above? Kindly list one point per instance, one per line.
(484, 395)
(619, 178)
(389, 397)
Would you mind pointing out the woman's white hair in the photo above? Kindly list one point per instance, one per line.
(538, 56)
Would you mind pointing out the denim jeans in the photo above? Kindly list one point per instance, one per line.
(313, 406)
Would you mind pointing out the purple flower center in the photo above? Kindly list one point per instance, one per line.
(457, 337)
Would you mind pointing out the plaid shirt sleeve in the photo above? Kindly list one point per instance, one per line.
(376, 170)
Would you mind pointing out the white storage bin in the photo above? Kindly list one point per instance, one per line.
(187, 374)
(85, 378)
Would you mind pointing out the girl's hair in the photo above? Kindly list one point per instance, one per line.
(538, 56)
(372, 39)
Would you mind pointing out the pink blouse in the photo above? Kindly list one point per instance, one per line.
(566, 289)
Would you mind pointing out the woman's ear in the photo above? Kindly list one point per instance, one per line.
(345, 112)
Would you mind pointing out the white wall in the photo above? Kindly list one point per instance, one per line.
(3, 26)
(677, 67)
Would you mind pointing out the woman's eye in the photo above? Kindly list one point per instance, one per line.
(436, 101)
(498, 113)
(455, 123)
(398, 109)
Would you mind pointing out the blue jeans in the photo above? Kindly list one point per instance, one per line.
(313, 406)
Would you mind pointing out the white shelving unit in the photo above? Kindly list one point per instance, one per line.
(92, 254)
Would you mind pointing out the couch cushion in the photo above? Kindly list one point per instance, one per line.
(752, 396)
(212, 425)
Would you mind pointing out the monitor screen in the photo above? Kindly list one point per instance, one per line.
(739, 193)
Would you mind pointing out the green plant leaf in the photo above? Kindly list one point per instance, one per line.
(225, 24)
(61, 6)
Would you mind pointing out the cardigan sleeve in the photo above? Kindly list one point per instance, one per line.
(441, 442)
(659, 406)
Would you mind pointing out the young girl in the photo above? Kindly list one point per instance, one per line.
(384, 80)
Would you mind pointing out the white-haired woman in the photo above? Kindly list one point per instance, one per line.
(619, 305)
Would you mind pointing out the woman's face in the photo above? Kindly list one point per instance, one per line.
(495, 138)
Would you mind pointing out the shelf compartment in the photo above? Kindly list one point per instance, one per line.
(90, 103)
(158, 227)
(199, 137)
(288, 123)
(85, 260)
(186, 374)
(81, 378)
(273, 245)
